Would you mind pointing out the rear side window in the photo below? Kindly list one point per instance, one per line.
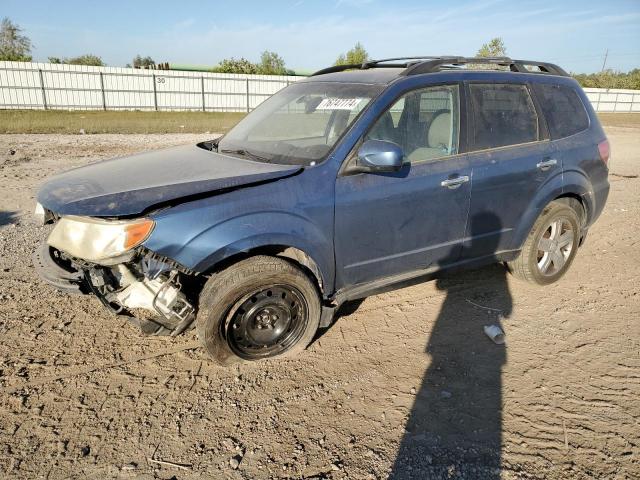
(563, 109)
(503, 114)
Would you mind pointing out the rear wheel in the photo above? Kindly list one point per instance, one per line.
(550, 247)
(258, 308)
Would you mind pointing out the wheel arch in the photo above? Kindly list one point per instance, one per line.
(212, 245)
(576, 202)
(575, 193)
(296, 255)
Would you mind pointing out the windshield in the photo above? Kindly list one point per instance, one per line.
(299, 124)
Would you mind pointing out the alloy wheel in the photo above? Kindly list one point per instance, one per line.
(555, 246)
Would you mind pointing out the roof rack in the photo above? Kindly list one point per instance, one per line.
(431, 64)
(382, 63)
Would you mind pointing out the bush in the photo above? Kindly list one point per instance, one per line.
(87, 59)
(610, 79)
(270, 64)
(233, 65)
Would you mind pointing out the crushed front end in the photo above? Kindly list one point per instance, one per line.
(105, 258)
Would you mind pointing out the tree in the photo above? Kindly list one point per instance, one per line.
(143, 62)
(495, 48)
(271, 64)
(55, 60)
(13, 45)
(357, 55)
(233, 65)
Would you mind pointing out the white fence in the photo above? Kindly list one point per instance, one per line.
(63, 87)
(614, 100)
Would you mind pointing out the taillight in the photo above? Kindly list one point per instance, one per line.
(605, 151)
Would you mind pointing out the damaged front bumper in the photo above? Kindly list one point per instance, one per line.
(154, 294)
(55, 271)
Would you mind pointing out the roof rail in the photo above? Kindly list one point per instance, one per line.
(431, 64)
(382, 63)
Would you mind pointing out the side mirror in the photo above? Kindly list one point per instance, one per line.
(380, 156)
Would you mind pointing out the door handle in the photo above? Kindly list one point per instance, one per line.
(547, 164)
(454, 182)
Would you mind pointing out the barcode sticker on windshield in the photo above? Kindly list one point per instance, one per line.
(338, 104)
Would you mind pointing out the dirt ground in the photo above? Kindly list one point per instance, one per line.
(404, 385)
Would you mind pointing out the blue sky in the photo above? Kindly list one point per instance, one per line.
(310, 34)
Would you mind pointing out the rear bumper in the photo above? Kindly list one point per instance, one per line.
(601, 194)
(583, 236)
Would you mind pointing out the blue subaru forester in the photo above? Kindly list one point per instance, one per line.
(356, 180)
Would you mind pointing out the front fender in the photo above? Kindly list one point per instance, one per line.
(571, 182)
(205, 247)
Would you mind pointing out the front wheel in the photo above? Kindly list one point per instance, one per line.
(550, 247)
(258, 308)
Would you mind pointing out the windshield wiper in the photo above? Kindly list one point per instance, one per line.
(248, 154)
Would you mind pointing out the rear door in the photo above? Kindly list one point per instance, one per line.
(511, 158)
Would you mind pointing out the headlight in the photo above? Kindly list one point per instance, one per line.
(96, 240)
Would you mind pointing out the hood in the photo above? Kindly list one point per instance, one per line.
(130, 185)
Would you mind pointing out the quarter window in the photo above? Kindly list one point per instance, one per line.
(563, 110)
(502, 115)
(424, 123)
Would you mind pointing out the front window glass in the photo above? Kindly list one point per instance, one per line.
(424, 123)
(299, 124)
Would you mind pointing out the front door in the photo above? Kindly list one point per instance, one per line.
(393, 223)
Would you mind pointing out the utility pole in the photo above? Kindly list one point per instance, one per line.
(606, 54)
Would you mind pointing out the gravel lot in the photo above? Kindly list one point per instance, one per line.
(404, 384)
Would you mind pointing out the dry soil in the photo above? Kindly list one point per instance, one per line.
(404, 384)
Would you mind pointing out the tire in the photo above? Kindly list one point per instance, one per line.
(258, 308)
(550, 247)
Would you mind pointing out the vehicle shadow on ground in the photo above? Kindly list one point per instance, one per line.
(7, 217)
(454, 428)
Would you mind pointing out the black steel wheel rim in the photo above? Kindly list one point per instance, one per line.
(267, 322)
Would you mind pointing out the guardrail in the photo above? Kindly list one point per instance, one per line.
(63, 87)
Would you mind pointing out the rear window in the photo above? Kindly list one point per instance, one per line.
(563, 109)
(502, 115)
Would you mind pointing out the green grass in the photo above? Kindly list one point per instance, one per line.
(59, 121)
